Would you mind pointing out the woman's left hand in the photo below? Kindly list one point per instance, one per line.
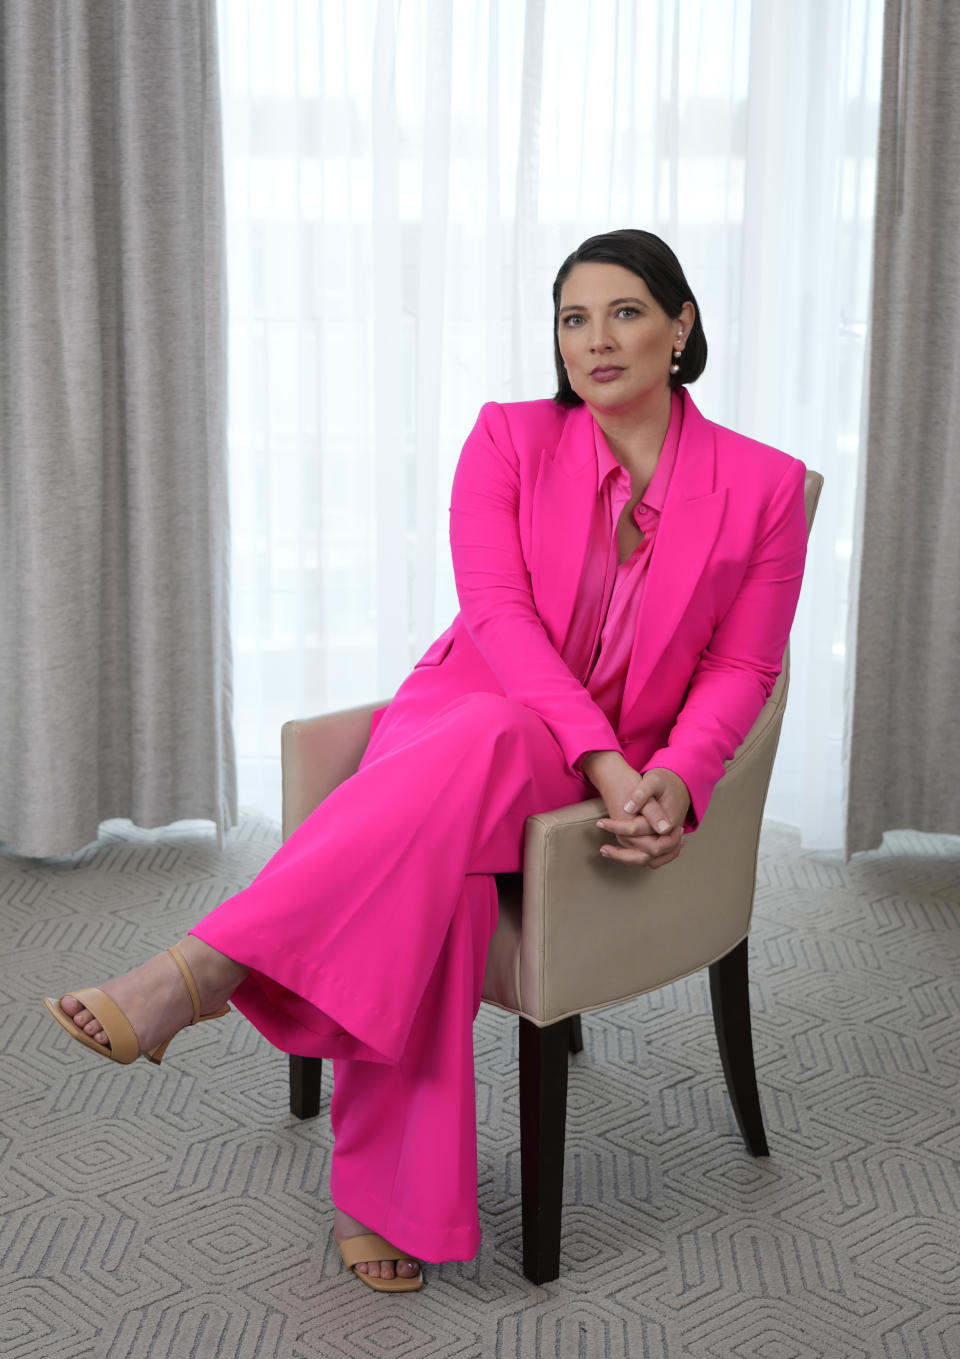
(652, 834)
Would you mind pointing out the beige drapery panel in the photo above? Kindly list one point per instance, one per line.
(114, 642)
(905, 728)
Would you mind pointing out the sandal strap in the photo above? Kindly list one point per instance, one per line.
(124, 1044)
(369, 1246)
(187, 975)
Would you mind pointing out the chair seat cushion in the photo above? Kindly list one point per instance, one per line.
(501, 982)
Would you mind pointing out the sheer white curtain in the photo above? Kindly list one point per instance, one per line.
(404, 178)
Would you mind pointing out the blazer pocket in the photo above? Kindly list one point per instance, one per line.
(437, 650)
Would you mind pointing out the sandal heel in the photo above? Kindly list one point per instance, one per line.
(155, 1055)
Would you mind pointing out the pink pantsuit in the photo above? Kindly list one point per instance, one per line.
(367, 933)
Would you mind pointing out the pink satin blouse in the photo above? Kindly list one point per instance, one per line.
(623, 582)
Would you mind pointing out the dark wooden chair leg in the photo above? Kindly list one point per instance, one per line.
(576, 1034)
(729, 992)
(543, 1119)
(305, 1075)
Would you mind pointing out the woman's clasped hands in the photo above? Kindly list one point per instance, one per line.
(645, 812)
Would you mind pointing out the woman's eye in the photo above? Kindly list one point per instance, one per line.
(627, 312)
(572, 320)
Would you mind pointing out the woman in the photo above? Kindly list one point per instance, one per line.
(627, 573)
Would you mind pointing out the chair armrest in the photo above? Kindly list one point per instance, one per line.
(594, 931)
(317, 754)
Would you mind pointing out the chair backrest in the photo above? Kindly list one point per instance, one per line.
(812, 486)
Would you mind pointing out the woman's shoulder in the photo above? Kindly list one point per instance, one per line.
(735, 452)
(541, 417)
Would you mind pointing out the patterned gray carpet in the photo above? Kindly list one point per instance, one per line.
(182, 1211)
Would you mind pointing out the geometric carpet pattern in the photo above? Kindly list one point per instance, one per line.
(150, 1212)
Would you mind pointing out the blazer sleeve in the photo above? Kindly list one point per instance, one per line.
(739, 667)
(496, 594)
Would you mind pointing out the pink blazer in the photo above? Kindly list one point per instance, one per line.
(716, 611)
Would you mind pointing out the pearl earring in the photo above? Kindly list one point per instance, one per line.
(675, 366)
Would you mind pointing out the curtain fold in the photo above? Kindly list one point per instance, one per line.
(115, 684)
(404, 179)
(905, 733)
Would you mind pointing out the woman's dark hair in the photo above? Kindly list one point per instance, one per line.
(652, 260)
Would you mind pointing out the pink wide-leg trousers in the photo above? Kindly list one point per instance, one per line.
(367, 936)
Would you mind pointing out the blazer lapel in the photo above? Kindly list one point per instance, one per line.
(686, 536)
(563, 506)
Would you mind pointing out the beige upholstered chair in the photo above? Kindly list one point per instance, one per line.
(577, 932)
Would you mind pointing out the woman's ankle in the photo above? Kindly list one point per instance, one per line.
(216, 975)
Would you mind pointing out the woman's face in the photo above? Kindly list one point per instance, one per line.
(615, 340)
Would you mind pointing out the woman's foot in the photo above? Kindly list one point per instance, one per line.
(154, 996)
(345, 1226)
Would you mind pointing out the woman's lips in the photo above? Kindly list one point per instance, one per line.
(605, 374)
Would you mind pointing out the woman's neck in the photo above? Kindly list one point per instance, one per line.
(636, 437)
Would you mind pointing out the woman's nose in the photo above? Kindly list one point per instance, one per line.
(600, 338)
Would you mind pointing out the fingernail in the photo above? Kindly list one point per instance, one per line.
(602, 825)
(605, 852)
(663, 827)
(630, 807)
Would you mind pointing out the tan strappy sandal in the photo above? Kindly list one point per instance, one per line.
(368, 1247)
(124, 1045)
